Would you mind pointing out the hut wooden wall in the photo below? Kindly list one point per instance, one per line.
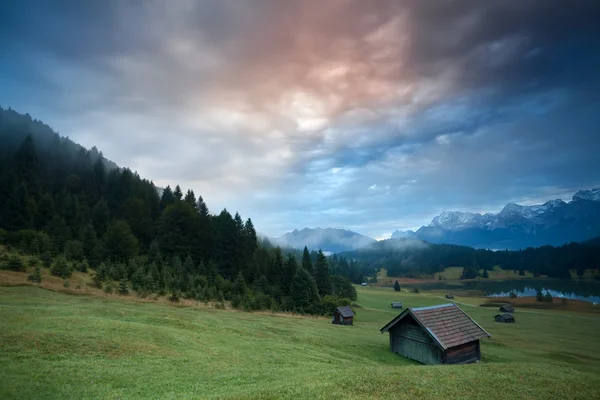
(465, 353)
(410, 341)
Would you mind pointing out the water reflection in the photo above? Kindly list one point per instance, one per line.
(570, 289)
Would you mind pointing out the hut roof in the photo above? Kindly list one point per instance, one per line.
(505, 316)
(507, 308)
(447, 324)
(396, 303)
(345, 311)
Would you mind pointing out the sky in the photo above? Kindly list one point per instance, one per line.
(367, 115)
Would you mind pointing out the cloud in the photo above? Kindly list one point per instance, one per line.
(369, 115)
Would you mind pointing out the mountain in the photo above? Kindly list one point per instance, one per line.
(553, 223)
(332, 240)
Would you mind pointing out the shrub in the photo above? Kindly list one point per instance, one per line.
(123, 290)
(108, 289)
(66, 283)
(397, 286)
(416, 290)
(61, 268)
(512, 295)
(36, 276)
(15, 263)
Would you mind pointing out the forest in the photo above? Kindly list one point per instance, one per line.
(413, 258)
(73, 209)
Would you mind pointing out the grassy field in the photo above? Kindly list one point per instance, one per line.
(66, 346)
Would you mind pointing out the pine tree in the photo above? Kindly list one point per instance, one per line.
(88, 240)
(304, 291)
(61, 268)
(289, 270)
(178, 194)
(27, 166)
(322, 274)
(396, 286)
(190, 198)
(120, 243)
(36, 276)
(239, 286)
(123, 289)
(100, 217)
(166, 199)
(306, 261)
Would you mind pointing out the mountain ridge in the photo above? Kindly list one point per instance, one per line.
(554, 222)
(332, 240)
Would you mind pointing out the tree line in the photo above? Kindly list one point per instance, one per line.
(74, 210)
(410, 258)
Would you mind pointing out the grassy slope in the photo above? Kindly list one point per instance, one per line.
(55, 345)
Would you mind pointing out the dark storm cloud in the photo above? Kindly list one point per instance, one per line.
(373, 115)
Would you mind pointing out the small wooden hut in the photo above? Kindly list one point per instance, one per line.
(507, 308)
(343, 316)
(506, 317)
(396, 304)
(441, 334)
(449, 296)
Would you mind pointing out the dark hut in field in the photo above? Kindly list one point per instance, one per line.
(343, 316)
(505, 318)
(396, 304)
(507, 308)
(441, 334)
(449, 296)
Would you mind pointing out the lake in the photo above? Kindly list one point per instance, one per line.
(570, 289)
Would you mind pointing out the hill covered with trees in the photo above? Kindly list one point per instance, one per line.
(415, 258)
(74, 209)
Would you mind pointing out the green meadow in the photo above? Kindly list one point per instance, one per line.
(63, 346)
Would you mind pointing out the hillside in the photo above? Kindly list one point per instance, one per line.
(66, 209)
(141, 350)
(331, 240)
(516, 227)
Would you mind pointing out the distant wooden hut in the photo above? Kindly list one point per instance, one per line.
(449, 296)
(396, 304)
(343, 316)
(507, 308)
(506, 317)
(364, 284)
(441, 334)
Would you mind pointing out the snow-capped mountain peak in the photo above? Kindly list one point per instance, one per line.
(456, 219)
(591, 195)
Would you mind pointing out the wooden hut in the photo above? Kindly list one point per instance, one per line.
(507, 308)
(506, 317)
(449, 296)
(441, 334)
(343, 316)
(396, 304)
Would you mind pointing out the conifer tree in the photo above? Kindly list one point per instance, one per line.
(100, 217)
(396, 286)
(36, 276)
(289, 270)
(304, 291)
(167, 198)
(120, 243)
(89, 240)
(61, 268)
(177, 193)
(123, 290)
(322, 274)
(306, 261)
(190, 198)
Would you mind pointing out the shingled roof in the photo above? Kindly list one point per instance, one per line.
(346, 311)
(447, 324)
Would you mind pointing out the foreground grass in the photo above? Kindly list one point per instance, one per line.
(56, 345)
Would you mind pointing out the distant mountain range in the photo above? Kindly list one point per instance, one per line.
(553, 223)
(333, 240)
